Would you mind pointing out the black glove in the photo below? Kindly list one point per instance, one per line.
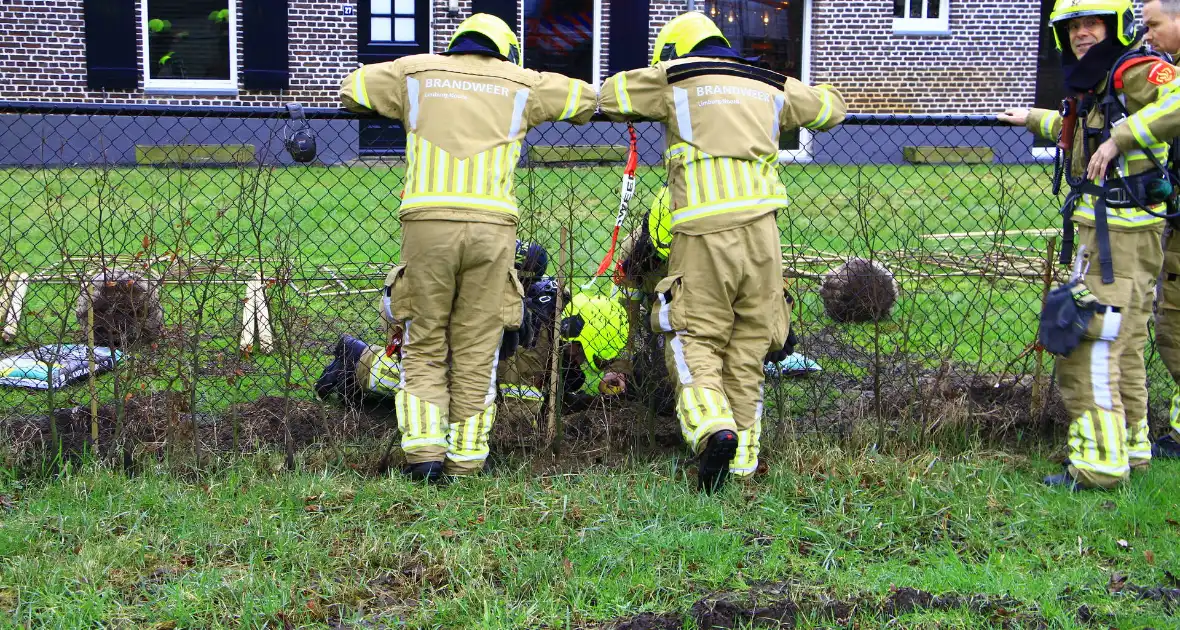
(774, 356)
(509, 344)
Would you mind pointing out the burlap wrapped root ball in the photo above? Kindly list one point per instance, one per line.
(859, 291)
(126, 308)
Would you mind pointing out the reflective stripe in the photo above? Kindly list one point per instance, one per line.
(732, 205)
(482, 202)
(694, 190)
(498, 168)
(682, 372)
(387, 303)
(683, 115)
(522, 99)
(1100, 374)
(665, 314)
(825, 112)
(424, 156)
(621, 94)
(1111, 323)
(571, 103)
(727, 168)
(523, 392)
(441, 162)
(1047, 123)
(358, 88)
(747, 176)
(780, 99)
(460, 176)
(412, 95)
(491, 396)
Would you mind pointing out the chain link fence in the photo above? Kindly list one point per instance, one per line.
(223, 273)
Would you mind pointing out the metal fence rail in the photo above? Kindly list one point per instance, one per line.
(259, 264)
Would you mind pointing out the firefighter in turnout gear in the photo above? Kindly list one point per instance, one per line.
(1113, 145)
(1163, 34)
(449, 303)
(721, 308)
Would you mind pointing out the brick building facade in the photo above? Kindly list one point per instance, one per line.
(987, 59)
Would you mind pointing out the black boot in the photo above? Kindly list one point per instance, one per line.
(1166, 447)
(1063, 479)
(713, 466)
(340, 374)
(430, 472)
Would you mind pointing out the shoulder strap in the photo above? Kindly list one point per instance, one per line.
(1130, 60)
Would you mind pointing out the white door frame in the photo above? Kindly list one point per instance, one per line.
(803, 153)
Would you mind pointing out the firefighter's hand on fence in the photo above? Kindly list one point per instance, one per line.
(1015, 116)
(1106, 152)
(613, 384)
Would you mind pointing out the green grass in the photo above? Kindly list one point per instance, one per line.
(249, 547)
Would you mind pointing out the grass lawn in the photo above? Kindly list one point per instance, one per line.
(248, 547)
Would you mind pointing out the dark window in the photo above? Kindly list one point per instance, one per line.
(559, 37)
(189, 39)
(767, 29)
(917, 9)
(1050, 88)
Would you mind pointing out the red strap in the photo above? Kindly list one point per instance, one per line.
(1130, 63)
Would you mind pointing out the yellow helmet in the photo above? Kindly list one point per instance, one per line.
(659, 223)
(599, 324)
(1121, 10)
(495, 30)
(682, 34)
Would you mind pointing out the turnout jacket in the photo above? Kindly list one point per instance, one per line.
(723, 120)
(465, 118)
(1150, 90)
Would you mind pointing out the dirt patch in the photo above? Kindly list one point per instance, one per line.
(783, 605)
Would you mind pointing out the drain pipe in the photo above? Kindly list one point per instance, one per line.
(692, 5)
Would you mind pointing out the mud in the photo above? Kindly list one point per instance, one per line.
(784, 605)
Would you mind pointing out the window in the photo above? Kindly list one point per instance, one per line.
(189, 45)
(560, 36)
(774, 31)
(392, 22)
(921, 17)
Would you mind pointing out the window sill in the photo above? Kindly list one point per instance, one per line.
(191, 90)
(919, 26)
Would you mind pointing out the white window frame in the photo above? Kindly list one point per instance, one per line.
(940, 25)
(803, 154)
(190, 86)
(596, 63)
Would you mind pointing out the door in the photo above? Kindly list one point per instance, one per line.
(387, 30)
(772, 30)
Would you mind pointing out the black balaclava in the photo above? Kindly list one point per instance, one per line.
(1088, 73)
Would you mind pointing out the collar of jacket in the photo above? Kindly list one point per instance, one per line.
(469, 46)
(720, 52)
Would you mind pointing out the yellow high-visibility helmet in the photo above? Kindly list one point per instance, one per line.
(1121, 10)
(494, 29)
(682, 34)
(659, 223)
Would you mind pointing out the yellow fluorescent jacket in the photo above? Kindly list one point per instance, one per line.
(723, 121)
(1151, 93)
(465, 118)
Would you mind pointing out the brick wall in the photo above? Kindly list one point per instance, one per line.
(984, 65)
(660, 13)
(43, 56)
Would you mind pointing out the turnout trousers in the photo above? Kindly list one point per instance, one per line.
(720, 310)
(456, 295)
(1167, 323)
(1104, 380)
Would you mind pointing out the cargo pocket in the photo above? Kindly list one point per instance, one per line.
(396, 302)
(512, 303)
(667, 314)
(1114, 299)
(1170, 282)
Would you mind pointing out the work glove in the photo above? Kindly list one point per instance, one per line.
(774, 356)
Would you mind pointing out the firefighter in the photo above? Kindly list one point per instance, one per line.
(466, 113)
(594, 343)
(720, 308)
(1123, 112)
(1162, 19)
